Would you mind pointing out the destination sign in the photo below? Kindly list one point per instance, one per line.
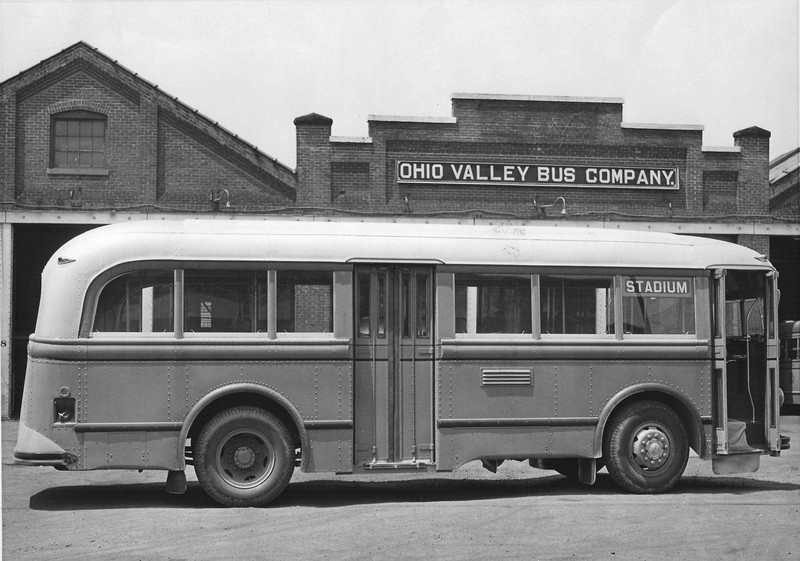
(520, 174)
(657, 287)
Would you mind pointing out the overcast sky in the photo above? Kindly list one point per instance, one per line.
(255, 65)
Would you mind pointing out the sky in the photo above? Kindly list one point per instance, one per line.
(255, 65)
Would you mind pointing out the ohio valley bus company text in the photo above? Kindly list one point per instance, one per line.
(249, 348)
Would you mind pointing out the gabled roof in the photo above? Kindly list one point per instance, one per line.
(784, 165)
(784, 178)
(83, 57)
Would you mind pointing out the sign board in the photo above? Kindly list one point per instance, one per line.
(521, 174)
(657, 287)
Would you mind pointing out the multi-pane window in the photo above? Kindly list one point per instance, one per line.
(218, 301)
(488, 303)
(78, 140)
(138, 302)
(577, 305)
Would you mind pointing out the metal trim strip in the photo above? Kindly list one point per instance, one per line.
(521, 422)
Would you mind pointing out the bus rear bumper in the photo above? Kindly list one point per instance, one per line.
(35, 449)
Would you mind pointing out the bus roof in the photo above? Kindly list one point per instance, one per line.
(82, 259)
(450, 244)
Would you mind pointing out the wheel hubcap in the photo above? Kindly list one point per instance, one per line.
(651, 448)
(245, 458)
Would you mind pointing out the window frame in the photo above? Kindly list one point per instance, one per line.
(590, 275)
(694, 291)
(178, 332)
(496, 272)
(80, 116)
(615, 312)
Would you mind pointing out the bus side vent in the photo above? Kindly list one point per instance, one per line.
(506, 377)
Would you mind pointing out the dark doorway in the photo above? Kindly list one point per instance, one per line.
(784, 253)
(33, 246)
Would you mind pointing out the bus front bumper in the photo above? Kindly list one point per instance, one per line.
(35, 449)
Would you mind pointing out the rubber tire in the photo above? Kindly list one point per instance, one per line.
(618, 450)
(276, 449)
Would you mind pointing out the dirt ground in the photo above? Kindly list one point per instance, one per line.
(517, 513)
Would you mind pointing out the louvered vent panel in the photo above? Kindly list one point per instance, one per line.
(506, 377)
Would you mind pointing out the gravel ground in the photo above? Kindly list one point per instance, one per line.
(517, 513)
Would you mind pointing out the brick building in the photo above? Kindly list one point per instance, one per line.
(84, 141)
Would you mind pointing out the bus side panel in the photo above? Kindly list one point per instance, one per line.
(460, 445)
(517, 409)
(495, 396)
(331, 451)
(320, 390)
(43, 382)
(128, 392)
(692, 379)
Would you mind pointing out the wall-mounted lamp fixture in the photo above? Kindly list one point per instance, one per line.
(216, 196)
(542, 209)
(76, 197)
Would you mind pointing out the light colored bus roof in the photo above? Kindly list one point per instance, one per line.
(450, 244)
(85, 257)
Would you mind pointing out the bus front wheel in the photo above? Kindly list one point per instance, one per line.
(244, 457)
(646, 447)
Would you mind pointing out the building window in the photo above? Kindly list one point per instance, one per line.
(78, 140)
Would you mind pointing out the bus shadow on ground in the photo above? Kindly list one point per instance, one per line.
(337, 492)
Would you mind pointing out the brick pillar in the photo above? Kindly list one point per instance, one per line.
(148, 150)
(313, 160)
(753, 196)
(8, 140)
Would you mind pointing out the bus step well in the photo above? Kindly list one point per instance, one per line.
(745, 437)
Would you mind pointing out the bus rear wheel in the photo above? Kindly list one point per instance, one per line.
(646, 447)
(244, 457)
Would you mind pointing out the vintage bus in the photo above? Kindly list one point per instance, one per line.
(246, 348)
(789, 334)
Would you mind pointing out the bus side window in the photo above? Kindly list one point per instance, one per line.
(305, 301)
(136, 302)
(658, 305)
(486, 303)
(572, 304)
(225, 301)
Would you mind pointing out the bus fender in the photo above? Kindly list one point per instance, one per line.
(694, 424)
(250, 388)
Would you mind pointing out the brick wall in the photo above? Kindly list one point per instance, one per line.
(720, 191)
(718, 185)
(160, 154)
(360, 177)
(756, 243)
